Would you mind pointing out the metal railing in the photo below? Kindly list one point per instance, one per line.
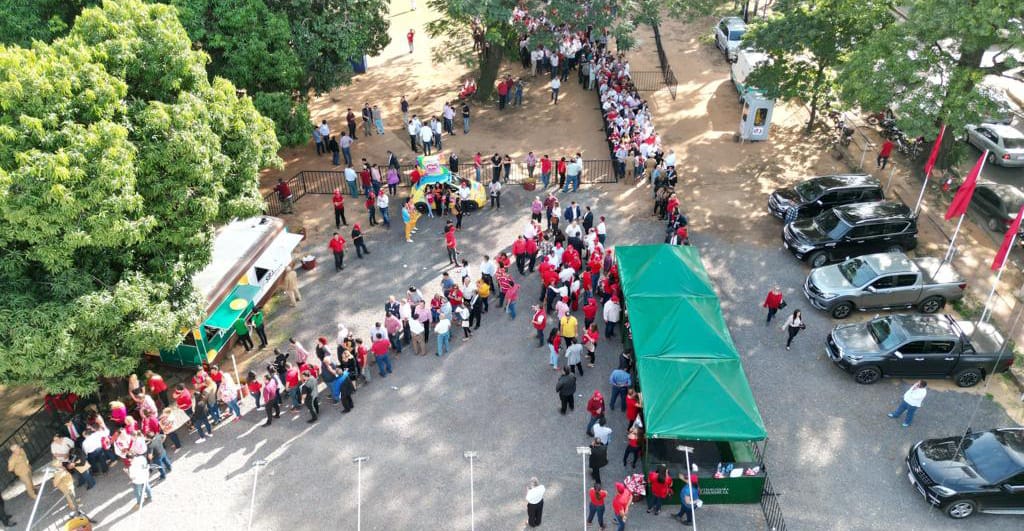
(324, 182)
(769, 497)
(34, 435)
(666, 69)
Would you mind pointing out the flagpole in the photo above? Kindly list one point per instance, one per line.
(928, 167)
(920, 197)
(952, 241)
(986, 312)
(956, 232)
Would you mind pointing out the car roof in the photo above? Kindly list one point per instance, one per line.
(915, 326)
(885, 263)
(1003, 130)
(845, 180)
(734, 22)
(1007, 192)
(879, 210)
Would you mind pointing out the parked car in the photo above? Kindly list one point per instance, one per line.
(1004, 143)
(728, 33)
(979, 472)
(883, 281)
(851, 230)
(745, 63)
(997, 204)
(817, 194)
(918, 346)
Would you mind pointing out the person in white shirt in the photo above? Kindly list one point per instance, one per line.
(350, 179)
(611, 313)
(443, 330)
(435, 126)
(426, 137)
(412, 134)
(670, 158)
(416, 329)
(555, 85)
(138, 472)
(534, 502)
(325, 130)
(529, 231)
(602, 432)
(912, 400)
(602, 230)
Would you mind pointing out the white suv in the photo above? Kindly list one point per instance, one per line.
(728, 33)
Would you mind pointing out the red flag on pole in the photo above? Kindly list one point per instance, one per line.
(963, 194)
(1004, 249)
(934, 155)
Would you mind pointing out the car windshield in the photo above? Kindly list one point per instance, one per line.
(1012, 197)
(857, 272)
(881, 331)
(735, 35)
(990, 454)
(1013, 143)
(809, 190)
(830, 224)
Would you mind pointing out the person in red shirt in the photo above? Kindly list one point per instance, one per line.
(531, 252)
(252, 383)
(540, 322)
(337, 246)
(545, 170)
(661, 482)
(597, 497)
(284, 193)
(157, 387)
(339, 209)
(502, 94)
(595, 406)
(773, 301)
(632, 405)
(884, 154)
(589, 340)
(589, 311)
(450, 244)
(409, 37)
(620, 505)
(380, 347)
(371, 208)
(291, 383)
(183, 398)
(519, 251)
(561, 172)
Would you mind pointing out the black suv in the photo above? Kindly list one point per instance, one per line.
(980, 472)
(818, 194)
(851, 230)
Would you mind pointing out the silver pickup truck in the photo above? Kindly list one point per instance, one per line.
(883, 281)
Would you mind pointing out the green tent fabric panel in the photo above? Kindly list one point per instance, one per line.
(662, 271)
(680, 327)
(703, 400)
(223, 317)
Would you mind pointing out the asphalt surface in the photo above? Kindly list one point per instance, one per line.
(834, 457)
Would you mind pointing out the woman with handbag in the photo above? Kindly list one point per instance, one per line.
(774, 302)
(793, 325)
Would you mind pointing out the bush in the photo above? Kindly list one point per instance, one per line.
(291, 117)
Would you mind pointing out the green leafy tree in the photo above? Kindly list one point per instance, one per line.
(118, 158)
(928, 67)
(328, 34)
(501, 35)
(807, 41)
(24, 21)
(290, 116)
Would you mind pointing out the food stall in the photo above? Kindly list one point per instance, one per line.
(249, 257)
(695, 392)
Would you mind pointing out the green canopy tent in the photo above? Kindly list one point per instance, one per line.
(687, 366)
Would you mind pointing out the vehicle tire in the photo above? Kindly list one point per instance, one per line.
(873, 119)
(842, 310)
(817, 259)
(961, 509)
(867, 375)
(932, 304)
(992, 158)
(967, 377)
(421, 208)
(994, 224)
(894, 249)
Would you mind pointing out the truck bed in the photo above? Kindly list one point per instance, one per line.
(935, 272)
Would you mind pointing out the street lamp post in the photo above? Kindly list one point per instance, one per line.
(693, 510)
(46, 475)
(584, 451)
(255, 476)
(472, 505)
(359, 490)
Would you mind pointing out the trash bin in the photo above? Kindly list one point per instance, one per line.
(308, 262)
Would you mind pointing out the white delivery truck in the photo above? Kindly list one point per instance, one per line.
(746, 61)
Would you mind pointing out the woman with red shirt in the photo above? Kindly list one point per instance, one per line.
(597, 497)
(661, 482)
(157, 387)
(632, 447)
(632, 405)
(773, 302)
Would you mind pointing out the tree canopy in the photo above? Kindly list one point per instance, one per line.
(119, 157)
(807, 41)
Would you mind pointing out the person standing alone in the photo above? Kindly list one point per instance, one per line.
(912, 400)
(773, 301)
(337, 246)
(409, 37)
(566, 389)
(534, 502)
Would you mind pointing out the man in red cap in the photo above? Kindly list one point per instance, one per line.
(620, 505)
(337, 246)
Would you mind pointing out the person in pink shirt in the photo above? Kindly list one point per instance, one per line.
(271, 398)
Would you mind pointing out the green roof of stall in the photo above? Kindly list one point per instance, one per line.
(224, 317)
(689, 369)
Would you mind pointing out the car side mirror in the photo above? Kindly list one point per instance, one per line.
(898, 354)
(870, 289)
(818, 202)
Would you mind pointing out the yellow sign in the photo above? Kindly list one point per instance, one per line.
(239, 304)
(210, 354)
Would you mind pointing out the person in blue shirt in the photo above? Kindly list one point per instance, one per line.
(621, 381)
(689, 497)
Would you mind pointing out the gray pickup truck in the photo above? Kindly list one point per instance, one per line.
(883, 281)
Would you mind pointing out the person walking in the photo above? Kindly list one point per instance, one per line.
(661, 482)
(378, 120)
(310, 391)
(138, 472)
(534, 502)
(339, 209)
(912, 400)
(793, 325)
(291, 286)
(426, 135)
(884, 154)
(357, 241)
(574, 357)
(566, 389)
(598, 459)
(451, 245)
(511, 298)
(271, 398)
(409, 37)
(259, 326)
(595, 406)
(443, 331)
(284, 194)
(555, 85)
(774, 302)
(620, 506)
(689, 498)
(318, 141)
(597, 497)
(495, 192)
(621, 382)
(540, 322)
(337, 247)
(5, 519)
(64, 482)
(18, 465)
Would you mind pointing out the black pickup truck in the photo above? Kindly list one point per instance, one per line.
(918, 346)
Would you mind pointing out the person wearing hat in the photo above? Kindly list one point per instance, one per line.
(611, 314)
(19, 466)
(689, 497)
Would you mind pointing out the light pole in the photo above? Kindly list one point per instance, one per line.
(252, 500)
(39, 495)
(472, 506)
(359, 490)
(693, 510)
(584, 451)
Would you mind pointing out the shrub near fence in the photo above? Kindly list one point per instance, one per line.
(323, 182)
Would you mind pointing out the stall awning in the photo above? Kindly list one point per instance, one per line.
(227, 313)
(698, 400)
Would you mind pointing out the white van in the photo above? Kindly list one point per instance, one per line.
(728, 33)
(746, 61)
